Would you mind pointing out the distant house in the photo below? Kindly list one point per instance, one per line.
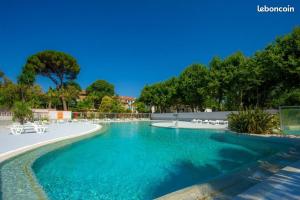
(127, 102)
(82, 95)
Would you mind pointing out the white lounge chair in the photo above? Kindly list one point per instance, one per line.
(39, 129)
(221, 122)
(16, 130)
(74, 120)
(37, 122)
(206, 121)
(213, 122)
(194, 121)
(36, 128)
(199, 121)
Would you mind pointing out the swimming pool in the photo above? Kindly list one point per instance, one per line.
(137, 161)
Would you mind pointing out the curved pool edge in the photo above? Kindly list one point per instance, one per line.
(10, 154)
(239, 181)
(16, 165)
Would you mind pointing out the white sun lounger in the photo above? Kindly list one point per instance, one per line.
(213, 122)
(206, 121)
(16, 130)
(40, 129)
(74, 120)
(32, 127)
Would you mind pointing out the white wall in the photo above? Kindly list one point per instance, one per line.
(54, 115)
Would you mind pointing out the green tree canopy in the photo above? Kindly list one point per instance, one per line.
(141, 107)
(9, 93)
(111, 105)
(192, 83)
(85, 104)
(268, 79)
(53, 98)
(98, 90)
(59, 67)
(106, 105)
(73, 84)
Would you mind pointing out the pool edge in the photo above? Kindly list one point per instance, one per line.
(10, 154)
(35, 186)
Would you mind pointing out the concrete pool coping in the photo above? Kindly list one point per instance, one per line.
(30, 145)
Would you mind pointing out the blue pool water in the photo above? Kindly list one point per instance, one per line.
(137, 161)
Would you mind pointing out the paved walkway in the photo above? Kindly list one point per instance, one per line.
(183, 124)
(10, 144)
(284, 185)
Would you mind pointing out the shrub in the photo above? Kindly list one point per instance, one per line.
(254, 121)
(22, 112)
(141, 107)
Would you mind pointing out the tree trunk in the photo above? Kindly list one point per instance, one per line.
(50, 105)
(241, 99)
(22, 94)
(64, 103)
(257, 97)
(220, 97)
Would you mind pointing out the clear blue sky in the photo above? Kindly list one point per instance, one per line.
(133, 43)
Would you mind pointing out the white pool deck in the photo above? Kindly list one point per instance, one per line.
(184, 124)
(11, 145)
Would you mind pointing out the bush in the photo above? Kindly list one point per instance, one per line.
(254, 121)
(141, 107)
(22, 112)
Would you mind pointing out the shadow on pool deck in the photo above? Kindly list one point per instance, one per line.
(187, 174)
(283, 185)
(184, 174)
(221, 187)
